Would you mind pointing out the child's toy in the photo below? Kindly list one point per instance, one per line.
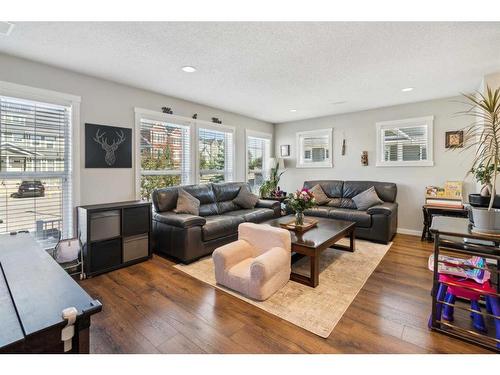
(474, 268)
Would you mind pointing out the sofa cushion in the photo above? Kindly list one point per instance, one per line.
(245, 198)
(332, 188)
(220, 226)
(254, 215)
(367, 199)
(342, 202)
(186, 203)
(361, 218)
(227, 191)
(319, 211)
(319, 195)
(386, 191)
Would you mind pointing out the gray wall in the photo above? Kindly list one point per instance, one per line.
(109, 103)
(360, 133)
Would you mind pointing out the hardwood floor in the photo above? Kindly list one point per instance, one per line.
(153, 308)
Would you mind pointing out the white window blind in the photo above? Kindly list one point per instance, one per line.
(216, 158)
(405, 142)
(35, 168)
(165, 155)
(258, 153)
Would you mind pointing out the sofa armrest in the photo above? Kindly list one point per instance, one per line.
(231, 254)
(179, 220)
(385, 208)
(270, 263)
(267, 203)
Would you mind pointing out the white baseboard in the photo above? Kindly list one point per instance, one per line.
(411, 232)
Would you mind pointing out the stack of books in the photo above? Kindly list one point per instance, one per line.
(450, 196)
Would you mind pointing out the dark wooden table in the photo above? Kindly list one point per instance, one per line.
(430, 211)
(34, 290)
(312, 242)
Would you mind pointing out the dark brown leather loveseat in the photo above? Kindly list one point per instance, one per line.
(378, 223)
(188, 237)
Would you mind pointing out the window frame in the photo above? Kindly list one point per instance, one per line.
(262, 135)
(406, 123)
(15, 90)
(194, 125)
(200, 124)
(315, 133)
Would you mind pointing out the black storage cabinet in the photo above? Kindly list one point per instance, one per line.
(114, 235)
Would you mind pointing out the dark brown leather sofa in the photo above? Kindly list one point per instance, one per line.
(379, 223)
(189, 237)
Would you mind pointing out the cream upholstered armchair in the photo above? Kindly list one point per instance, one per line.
(257, 264)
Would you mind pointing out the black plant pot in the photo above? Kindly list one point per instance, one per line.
(476, 200)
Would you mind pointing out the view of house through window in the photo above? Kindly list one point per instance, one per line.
(35, 168)
(165, 157)
(215, 149)
(258, 153)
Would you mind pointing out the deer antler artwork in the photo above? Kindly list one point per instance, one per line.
(110, 149)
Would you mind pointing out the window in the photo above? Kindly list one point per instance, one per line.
(35, 181)
(258, 154)
(405, 142)
(314, 148)
(215, 153)
(164, 155)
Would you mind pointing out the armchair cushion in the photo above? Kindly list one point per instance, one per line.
(262, 237)
(269, 263)
(178, 220)
(228, 255)
(386, 208)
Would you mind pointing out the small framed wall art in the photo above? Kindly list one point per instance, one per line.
(454, 139)
(285, 151)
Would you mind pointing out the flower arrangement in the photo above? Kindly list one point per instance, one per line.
(300, 201)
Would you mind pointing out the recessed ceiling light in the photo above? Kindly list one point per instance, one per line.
(293, 110)
(407, 89)
(189, 69)
(6, 28)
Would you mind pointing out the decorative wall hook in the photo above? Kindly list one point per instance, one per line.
(216, 120)
(167, 110)
(195, 116)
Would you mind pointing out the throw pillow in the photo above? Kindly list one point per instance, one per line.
(319, 195)
(186, 203)
(245, 198)
(367, 199)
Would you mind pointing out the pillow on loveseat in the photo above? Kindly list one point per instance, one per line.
(186, 203)
(245, 198)
(367, 199)
(319, 195)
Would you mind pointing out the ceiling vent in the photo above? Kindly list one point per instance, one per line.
(5, 28)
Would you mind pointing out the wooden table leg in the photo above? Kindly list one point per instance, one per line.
(315, 270)
(352, 241)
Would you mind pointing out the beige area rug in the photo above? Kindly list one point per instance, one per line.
(319, 309)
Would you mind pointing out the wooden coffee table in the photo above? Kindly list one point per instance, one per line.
(311, 243)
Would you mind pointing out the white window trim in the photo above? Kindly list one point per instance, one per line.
(317, 132)
(194, 125)
(256, 134)
(410, 122)
(60, 98)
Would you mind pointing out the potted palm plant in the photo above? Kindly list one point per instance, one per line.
(270, 187)
(484, 136)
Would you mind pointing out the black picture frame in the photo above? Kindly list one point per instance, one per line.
(285, 151)
(107, 146)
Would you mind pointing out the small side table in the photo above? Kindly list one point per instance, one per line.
(429, 211)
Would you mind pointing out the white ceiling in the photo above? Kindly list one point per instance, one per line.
(263, 70)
